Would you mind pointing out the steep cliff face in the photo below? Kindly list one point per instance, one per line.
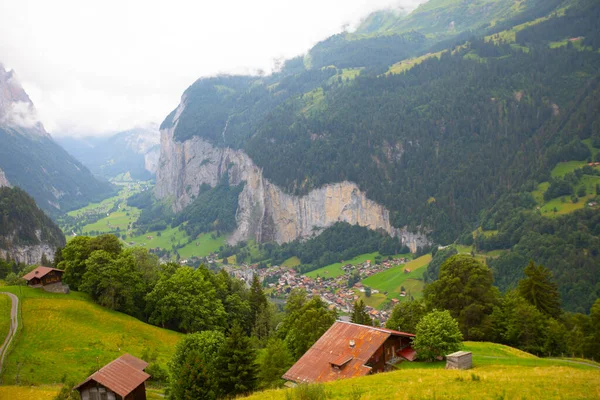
(265, 212)
(3, 180)
(28, 254)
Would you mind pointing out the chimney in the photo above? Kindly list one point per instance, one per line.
(352, 344)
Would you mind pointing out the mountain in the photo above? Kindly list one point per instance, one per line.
(32, 160)
(135, 151)
(26, 233)
(428, 141)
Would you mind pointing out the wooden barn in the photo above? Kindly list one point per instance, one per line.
(42, 276)
(348, 350)
(122, 379)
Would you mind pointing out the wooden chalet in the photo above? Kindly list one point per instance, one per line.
(122, 379)
(42, 276)
(349, 350)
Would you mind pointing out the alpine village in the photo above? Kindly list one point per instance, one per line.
(403, 207)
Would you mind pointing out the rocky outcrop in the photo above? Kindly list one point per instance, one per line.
(3, 180)
(151, 159)
(28, 254)
(265, 212)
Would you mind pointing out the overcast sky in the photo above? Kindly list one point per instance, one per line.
(102, 68)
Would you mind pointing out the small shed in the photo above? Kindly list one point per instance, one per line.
(121, 379)
(459, 360)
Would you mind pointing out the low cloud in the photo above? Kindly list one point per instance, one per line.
(101, 68)
(21, 114)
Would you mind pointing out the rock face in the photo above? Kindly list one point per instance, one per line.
(3, 180)
(265, 213)
(151, 159)
(28, 254)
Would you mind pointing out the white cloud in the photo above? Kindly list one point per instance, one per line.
(21, 114)
(99, 67)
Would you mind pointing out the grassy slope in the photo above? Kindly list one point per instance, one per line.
(5, 305)
(335, 270)
(393, 279)
(70, 335)
(202, 246)
(499, 372)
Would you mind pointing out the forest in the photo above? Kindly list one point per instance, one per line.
(22, 223)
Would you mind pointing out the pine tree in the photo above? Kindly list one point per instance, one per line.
(236, 361)
(257, 298)
(540, 289)
(360, 314)
(193, 381)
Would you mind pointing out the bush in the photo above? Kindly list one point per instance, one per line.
(157, 373)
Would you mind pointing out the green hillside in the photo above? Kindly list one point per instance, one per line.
(23, 223)
(499, 372)
(67, 336)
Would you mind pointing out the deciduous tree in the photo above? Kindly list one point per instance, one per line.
(437, 335)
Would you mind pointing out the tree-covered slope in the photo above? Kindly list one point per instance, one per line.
(22, 223)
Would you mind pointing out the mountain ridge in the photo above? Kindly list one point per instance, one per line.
(32, 160)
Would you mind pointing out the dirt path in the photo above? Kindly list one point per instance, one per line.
(14, 323)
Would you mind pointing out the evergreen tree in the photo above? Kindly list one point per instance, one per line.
(273, 363)
(204, 347)
(540, 289)
(359, 314)
(237, 371)
(309, 325)
(193, 380)
(257, 299)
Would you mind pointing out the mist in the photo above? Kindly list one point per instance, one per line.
(100, 68)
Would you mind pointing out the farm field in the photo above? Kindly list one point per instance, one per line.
(392, 280)
(117, 221)
(164, 239)
(202, 246)
(335, 270)
(376, 300)
(66, 336)
(499, 372)
(291, 262)
(564, 168)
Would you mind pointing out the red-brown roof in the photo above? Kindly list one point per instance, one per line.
(40, 272)
(343, 343)
(121, 376)
(408, 353)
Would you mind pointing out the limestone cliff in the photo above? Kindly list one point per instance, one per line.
(265, 212)
(3, 180)
(28, 254)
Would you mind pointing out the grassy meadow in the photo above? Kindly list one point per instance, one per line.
(5, 305)
(202, 246)
(335, 270)
(499, 372)
(67, 336)
(392, 280)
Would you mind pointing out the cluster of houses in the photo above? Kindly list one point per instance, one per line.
(334, 291)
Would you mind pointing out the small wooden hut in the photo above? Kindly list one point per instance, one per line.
(459, 360)
(42, 276)
(122, 379)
